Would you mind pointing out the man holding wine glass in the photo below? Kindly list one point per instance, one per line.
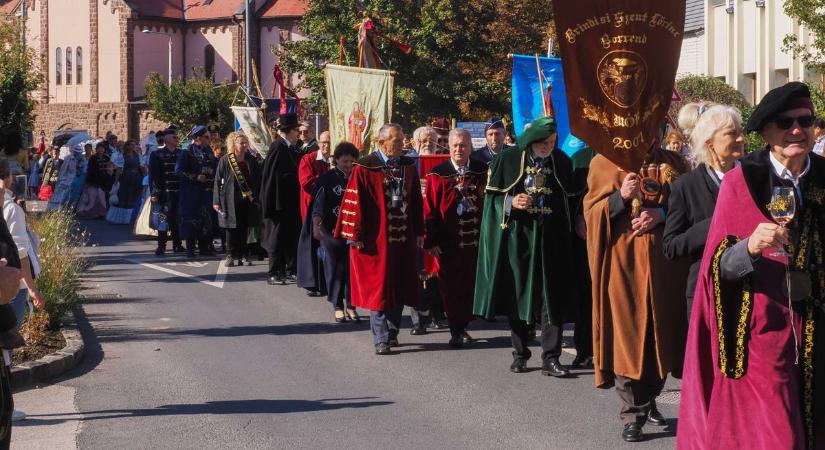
(756, 321)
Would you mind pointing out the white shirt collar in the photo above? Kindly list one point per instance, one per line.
(455, 166)
(320, 157)
(783, 172)
(383, 157)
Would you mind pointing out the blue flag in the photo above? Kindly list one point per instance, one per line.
(527, 97)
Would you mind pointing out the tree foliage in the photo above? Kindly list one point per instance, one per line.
(458, 66)
(19, 77)
(191, 101)
(810, 14)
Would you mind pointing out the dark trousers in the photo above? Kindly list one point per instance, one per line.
(6, 406)
(174, 225)
(236, 237)
(384, 325)
(551, 335)
(583, 334)
(282, 246)
(431, 306)
(638, 396)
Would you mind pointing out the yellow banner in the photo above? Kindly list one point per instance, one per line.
(360, 102)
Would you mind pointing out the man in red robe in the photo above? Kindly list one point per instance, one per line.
(452, 216)
(382, 217)
(312, 166)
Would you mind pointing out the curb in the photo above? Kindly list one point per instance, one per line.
(54, 364)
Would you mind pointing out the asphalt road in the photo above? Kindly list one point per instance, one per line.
(181, 356)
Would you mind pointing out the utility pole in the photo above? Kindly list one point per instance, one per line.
(248, 50)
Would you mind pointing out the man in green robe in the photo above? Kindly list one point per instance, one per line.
(524, 270)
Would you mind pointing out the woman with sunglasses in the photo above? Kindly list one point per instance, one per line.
(756, 354)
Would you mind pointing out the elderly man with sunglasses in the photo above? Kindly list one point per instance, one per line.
(757, 319)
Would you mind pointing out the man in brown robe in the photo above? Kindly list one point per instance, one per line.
(639, 319)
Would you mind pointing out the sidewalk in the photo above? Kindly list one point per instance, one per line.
(52, 422)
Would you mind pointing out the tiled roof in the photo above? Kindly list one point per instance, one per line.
(215, 9)
(167, 9)
(284, 8)
(9, 6)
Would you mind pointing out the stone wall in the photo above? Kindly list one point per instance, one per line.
(96, 118)
(142, 120)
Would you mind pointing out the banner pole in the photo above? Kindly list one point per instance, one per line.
(541, 85)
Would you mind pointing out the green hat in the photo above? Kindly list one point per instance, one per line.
(538, 130)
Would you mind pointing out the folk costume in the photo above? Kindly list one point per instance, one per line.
(382, 208)
(754, 363)
(195, 209)
(452, 219)
(73, 166)
(280, 203)
(130, 185)
(310, 268)
(99, 181)
(237, 184)
(164, 186)
(51, 172)
(639, 320)
(583, 333)
(326, 205)
(520, 273)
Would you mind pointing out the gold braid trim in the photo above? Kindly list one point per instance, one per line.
(808, 339)
(743, 320)
(246, 191)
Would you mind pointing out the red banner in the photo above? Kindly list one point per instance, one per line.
(620, 59)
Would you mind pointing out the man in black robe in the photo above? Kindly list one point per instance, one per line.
(280, 194)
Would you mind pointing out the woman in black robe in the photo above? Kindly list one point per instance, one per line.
(325, 206)
(237, 180)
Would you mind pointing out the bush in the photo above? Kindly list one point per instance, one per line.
(695, 88)
(61, 262)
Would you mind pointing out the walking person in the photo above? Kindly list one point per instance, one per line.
(195, 169)
(164, 185)
(129, 180)
(234, 196)
(325, 208)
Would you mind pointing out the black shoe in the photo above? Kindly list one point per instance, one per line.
(382, 349)
(456, 342)
(160, 251)
(531, 335)
(490, 319)
(272, 280)
(632, 432)
(436, 324)
(582, 362)
(519, 366)
(655, 417)
(178, 249)
(418, 331)
(466, 338)
(393, 342)
(553, 368)
(289, 278)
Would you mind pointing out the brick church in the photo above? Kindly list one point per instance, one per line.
(96, 54)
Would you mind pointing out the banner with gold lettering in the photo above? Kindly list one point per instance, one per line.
(620, 59)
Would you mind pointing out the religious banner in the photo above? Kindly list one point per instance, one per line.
(530, 89)
(620, 59)
(360, 102)
(252, 120)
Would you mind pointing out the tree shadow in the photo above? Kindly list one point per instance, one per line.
(225, 407)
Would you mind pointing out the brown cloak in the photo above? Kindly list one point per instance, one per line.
(634, 285)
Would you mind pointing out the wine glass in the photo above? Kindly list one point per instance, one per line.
(530, 184)
(782, 207)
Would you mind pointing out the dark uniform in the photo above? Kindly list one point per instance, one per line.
(195, 211)
(329, 192)
(164, 186)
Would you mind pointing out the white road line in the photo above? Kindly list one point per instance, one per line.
(217, 283)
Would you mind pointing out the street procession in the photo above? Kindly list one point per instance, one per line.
(314, 224)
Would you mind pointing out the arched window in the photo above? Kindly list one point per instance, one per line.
(58, 66)
(209, 62)
(68, 66)
(78, 65)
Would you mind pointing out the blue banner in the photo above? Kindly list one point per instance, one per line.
(527, 97)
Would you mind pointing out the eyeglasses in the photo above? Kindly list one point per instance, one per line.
(784, 123)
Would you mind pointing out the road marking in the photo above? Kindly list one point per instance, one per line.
(218, 282)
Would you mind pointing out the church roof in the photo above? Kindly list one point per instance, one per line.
(194, 10)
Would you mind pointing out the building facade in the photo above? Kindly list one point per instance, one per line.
(740, 41)
(96, 54)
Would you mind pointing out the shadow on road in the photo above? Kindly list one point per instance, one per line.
(217, 408)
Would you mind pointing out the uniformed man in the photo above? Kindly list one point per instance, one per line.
(163, 184)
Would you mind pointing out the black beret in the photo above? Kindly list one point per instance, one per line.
(776, 101)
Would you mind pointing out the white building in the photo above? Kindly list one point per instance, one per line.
(740, 41)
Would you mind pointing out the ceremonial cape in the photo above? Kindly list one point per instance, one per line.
(385, 271)
(456, 235)
(742, 388)
(309, 169)
(634, 286)
(280, 195)
(522, 256)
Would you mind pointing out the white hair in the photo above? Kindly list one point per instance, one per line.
(689, 114)
(420, 132)
(715, 118)
(459, 132)
(384, 131)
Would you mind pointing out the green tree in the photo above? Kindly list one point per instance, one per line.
(810, 14)
(19, 77)
(191, 101)
(458, 66)
(696, 88)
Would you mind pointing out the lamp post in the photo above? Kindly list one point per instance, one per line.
(148, 31)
